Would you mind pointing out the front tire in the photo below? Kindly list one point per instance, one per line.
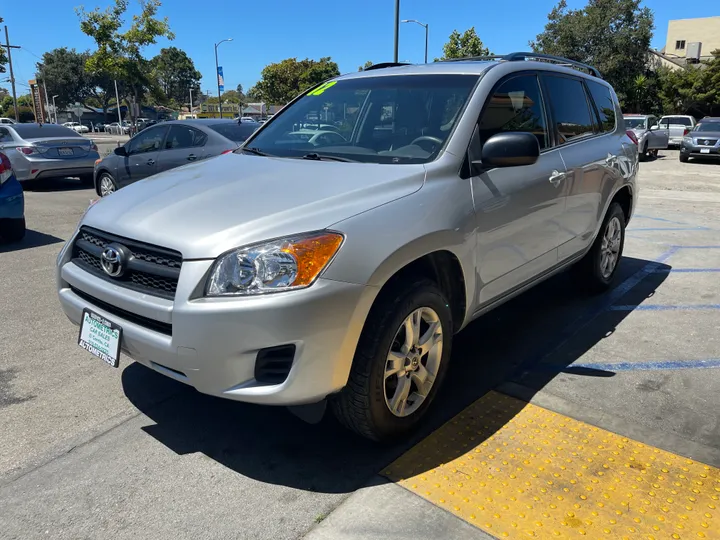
(400, 362)
(597, 270)
(106, 184)
(684, 158)
(12, 230)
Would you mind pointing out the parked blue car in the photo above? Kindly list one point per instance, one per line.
(12, 204)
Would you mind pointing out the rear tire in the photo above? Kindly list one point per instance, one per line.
(391, 384)
(106, 184)
(597, 270)
(12, 230)
(644, 152)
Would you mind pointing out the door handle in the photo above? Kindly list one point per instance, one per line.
(151, 162)
(556, 177)
(192, 157)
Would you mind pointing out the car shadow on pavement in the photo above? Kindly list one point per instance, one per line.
(271, 445)
(32, 239)
(49, 185)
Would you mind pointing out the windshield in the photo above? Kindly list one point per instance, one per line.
(708, 126)
(234, 131)
(385, 119)
(634, 123)
(676, 120)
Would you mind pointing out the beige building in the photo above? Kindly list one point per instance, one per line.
(692, 40)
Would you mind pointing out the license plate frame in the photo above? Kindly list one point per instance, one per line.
(66, 152)
(100, 337)
(704, 150)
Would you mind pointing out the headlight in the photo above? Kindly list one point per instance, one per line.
(688, 139)
(279, 265)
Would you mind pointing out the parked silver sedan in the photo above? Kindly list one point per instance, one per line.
(48, 151)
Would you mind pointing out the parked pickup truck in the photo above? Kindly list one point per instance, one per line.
(677, 127)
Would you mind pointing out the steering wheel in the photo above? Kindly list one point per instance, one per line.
(427, 138)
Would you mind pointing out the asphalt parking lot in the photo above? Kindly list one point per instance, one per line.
(91, 452)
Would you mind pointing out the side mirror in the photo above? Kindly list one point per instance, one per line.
(120, 151)
(655, 127)
(511, 149)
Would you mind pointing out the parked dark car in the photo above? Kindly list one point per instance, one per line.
(703, 141)
(165, 146)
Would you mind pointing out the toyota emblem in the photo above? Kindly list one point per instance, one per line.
(112, 260)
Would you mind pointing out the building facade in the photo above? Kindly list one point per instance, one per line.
(692, 40)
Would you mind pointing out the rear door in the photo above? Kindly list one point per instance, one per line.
(517, 207)
(183, 145)
(143, 150)
(584, 118)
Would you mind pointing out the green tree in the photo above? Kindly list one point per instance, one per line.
(119, 53)
(464, 45)
(176, 74)
(708, 88)
(611, 35)
(282, 81)
(365, 66)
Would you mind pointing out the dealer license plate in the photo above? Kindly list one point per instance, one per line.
(100, 337)
(65, 151)
(704, 150)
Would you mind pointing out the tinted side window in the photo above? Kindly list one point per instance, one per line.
(605, 105)
(573, 118)
(5, 135)
(147, 141)
(515, 105)
(184, 137)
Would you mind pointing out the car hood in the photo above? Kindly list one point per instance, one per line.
(205, 209)
(704, 135)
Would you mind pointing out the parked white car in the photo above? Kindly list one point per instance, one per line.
(677, 126)
(77, 127)
(4, 120)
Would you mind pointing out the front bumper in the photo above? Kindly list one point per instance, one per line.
(212, 343)
(691, 149)
(12, 200)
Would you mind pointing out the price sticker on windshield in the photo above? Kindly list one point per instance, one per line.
(320, 89)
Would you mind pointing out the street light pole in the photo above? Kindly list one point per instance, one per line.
(218, 74)
(397, 30)
(191, 114)
(427, 28)
(55, 108)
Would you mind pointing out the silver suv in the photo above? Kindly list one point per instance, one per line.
(305, 270)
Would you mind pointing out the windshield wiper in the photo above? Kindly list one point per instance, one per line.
(253, 151)
(324, 157)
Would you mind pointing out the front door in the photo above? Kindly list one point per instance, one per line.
(143, 151)
(518, 208)
(183, 145)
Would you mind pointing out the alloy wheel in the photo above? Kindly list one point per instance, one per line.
(107, 186)
(610, 248)
(413, 362)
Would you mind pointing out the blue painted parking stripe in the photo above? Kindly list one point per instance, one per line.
(686, 270)
(636, 229)
(635, 366)
(656, 307)
(698, 247)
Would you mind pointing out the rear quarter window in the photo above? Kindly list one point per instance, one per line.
(605, 105)
(236, 132)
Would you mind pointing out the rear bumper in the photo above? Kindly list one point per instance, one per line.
(12, 200)
(27, 169)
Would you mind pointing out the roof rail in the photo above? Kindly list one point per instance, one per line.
(382, 65)
(521, 56)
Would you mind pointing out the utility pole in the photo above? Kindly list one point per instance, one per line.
(190, 109)
(47, 102)
(397, 30)
(12, 77)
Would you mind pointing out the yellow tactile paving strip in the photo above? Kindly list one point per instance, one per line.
(516, 470)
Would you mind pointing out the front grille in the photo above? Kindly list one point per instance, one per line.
(706, 142)
(148, 269)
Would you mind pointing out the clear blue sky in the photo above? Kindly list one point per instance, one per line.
(350, 31)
